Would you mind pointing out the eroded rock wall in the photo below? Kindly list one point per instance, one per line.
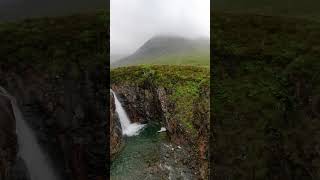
(115, 129)
(151, 103)
(140, 102)
(68, 114)
(8, 139)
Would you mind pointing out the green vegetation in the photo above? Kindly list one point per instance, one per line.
(201, 58)
(292, 8)
(188, 86)
(265, 85)
(56, 44)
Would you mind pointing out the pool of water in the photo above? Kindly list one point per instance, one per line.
(140, 156)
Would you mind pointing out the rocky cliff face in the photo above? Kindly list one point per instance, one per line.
(141, 103)
(115, 129)
(67, 114)
(55, 68)
(185, 117)
(8, 138)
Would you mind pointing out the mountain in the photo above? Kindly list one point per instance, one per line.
(169, 50)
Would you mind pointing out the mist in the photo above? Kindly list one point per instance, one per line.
(133, 22)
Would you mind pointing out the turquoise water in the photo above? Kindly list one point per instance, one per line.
(140, 156)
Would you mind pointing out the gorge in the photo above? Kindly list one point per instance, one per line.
(60, 87)
(37, 163)
(148, 95)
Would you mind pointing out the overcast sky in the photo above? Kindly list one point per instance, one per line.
(135, 21)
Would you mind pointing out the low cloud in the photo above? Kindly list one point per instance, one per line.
(135, 21)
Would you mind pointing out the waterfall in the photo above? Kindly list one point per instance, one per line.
(128, 128)
(29, 150)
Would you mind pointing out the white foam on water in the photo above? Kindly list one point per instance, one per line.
(128, 128)
(30, 151)
(163, 129)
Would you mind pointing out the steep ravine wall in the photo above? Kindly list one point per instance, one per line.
(55, 68)
(8, 139)
(68, 115)
(149, 101)
(115, 129)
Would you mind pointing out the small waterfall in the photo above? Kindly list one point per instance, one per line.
(128, 128)
(29, 149)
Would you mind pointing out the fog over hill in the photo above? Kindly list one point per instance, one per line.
(165, 46)
(132, 23)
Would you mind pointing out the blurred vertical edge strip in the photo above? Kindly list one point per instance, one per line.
(212, 132)
(108, 162)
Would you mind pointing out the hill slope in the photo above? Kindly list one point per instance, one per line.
(169, 50)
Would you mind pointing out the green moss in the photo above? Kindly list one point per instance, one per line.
(265, 71)
(50, 44)
(184, 83)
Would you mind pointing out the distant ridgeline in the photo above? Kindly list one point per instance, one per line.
(266, 97)
(169, 50)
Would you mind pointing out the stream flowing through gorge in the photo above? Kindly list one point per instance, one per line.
(147, 152)
(36, 161)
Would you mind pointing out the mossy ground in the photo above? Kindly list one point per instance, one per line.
(291, 8)
(195, 58)
(57, 43)
(265, 75)
(184, 82)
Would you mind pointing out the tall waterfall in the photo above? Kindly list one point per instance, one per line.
(29, 149)
(128, 128)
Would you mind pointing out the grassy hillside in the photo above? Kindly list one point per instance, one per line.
(169, 50)
(293, 8)
(50, 44)
(266, 87)
(195, 58)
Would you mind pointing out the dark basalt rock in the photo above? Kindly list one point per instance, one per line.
(151, 103)
(8, 138)
(115, 129)
(68, 115)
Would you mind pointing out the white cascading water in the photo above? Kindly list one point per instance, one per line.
(128, 128)
(29, 150)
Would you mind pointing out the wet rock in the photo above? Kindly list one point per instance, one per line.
(139, 102)
(115, 129)
(8, 139)
(148, 102)
(64, 113)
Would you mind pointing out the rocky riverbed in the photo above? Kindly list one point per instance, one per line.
(178, 99)
(151, 155)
